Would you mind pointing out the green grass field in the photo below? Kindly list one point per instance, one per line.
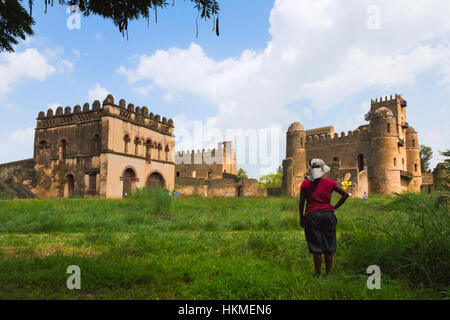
(219, 249)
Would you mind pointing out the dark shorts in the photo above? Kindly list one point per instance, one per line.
(320, 231)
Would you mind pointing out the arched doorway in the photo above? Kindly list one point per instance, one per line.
(155, 180)
(69, 186)
(128, 178)
(361, 162)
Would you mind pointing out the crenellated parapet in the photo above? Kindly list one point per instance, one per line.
(322, 140)
(224, 154)
(137, 115)
(382, 102)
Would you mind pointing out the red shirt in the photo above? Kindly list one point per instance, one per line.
(320, 200)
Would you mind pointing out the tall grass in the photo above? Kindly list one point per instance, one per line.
(408, 238)
(154, 246)
(159, 199)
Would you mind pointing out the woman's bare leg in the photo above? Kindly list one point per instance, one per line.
(317, 263)
(328, 262)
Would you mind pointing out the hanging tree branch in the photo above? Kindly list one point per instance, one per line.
(16, 22)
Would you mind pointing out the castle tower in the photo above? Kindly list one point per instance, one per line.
(440, 173)
(384, 163)
(294, 166)
(413, 159)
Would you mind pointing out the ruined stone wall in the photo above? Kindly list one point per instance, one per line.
(206, 164)
(205, 188)
(251, 188)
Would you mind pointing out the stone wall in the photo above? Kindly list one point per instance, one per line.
(228, 187)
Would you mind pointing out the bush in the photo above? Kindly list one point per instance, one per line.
(408, 240)
(160, 199)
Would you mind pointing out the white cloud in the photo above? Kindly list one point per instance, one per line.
(144, 90)
(18, 145)
(320, 51)
(97, 93)
(17, 68)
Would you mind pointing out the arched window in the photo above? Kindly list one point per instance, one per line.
(415, 167)
(395, 162)
(62, 149)
(389, 128)
(42, 147)
(159, 151)
(137, 142)
(148, 146)
(209, 173)
(413, 142)
(166, 150)
(403, 163)
(361, 162)
(126, 140)
(96, 144)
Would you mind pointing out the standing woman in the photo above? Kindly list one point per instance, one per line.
(319, 220)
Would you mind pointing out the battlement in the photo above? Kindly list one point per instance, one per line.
(356, 135)
(224, 154)
(137, 115)
(398, 98)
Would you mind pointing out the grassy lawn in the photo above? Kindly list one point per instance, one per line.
(218, 249)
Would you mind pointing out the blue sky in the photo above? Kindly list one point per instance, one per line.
(314, 61)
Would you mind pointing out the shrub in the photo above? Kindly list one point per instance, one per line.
(410, 241)
(160, 199)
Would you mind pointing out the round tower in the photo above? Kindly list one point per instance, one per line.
(440, 173)
(413, 159)
(295, 150)
(384, 161)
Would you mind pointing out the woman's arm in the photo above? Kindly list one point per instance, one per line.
(344, 195)
(301, 207)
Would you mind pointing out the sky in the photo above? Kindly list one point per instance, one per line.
(319, 62)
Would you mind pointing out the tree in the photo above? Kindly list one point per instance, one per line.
(446, 154)
(426, 153)
(272, 179)
(16, 22)
(242, 173)
(444, 183)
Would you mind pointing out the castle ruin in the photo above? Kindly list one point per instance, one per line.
(104, 151)
(381, 157)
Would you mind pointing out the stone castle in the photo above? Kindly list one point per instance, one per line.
(103, 151)
(213, 173)
(108, 150)
(380, 157)
(208, 164)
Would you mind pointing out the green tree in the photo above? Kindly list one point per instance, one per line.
(242, 173)
(272, 179)
(16, 22)
(426, 153)
(445, 181)
(446, 154)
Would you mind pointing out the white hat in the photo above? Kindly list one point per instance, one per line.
(317, 170)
